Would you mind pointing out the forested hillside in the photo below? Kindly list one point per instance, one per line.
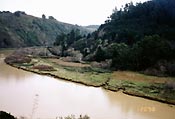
(132, 22)
(136, 37)
(19, 29)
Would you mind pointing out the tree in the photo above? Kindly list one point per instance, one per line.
(51, 17)
(19, 13)
(71, 37)
(150, 50)
(43, 16)
(62, 41)
(100, 54)
(120, 55)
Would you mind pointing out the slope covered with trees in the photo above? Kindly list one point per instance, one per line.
(133, 22)
(19, 29)
(136, 37)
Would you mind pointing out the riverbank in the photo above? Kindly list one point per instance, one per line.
(132, 83)
(5, 115)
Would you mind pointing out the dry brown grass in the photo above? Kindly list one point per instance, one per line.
(43, 68)
(134, 76)
(70, 64)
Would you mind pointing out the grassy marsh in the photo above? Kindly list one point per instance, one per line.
(133, 83)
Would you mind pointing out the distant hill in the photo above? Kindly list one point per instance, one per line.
(19, 29)
(92, 27)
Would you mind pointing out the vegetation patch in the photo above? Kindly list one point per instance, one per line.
(74, 117)
(150, 87)
(5, 115)
(44, 68)
(19, 59)
(87, 69)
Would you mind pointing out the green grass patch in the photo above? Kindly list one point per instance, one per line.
(86, 75)
(86, 69)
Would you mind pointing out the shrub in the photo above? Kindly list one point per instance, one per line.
(171, 68)
(170, 85)
(73, 117)
(74, 55)
(4, 115)
(17, 59)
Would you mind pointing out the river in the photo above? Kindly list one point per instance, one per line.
(34, 96)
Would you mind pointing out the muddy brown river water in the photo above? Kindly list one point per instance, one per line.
(34, 96)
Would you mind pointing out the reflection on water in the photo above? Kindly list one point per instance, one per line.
(8, 72)
(136, 107)
(26, 94)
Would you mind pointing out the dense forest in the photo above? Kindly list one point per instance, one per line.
(135, 37)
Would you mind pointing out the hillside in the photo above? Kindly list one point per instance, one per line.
(19, 29)
(136, 37)
(133, 22)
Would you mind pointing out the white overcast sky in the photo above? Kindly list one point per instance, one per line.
(81, 12)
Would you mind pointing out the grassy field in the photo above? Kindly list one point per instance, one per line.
(152, 87)
(132, 83)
